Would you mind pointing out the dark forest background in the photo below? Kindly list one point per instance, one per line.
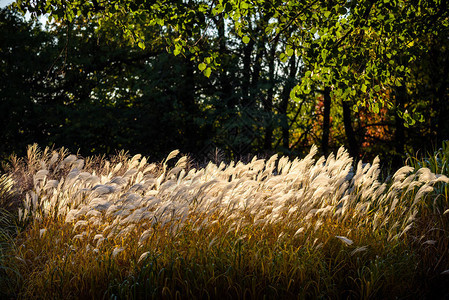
(89, 89)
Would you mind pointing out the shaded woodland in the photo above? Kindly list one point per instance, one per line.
(87, 88)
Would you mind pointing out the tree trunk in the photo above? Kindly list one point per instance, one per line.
(440, 76)
(399, 135)
(283, 108)
(268, 100)
(187, 97)
(246, 80)
(226, 94)
(326, 120)
(349, 130)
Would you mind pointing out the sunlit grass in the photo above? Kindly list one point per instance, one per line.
(276, 228)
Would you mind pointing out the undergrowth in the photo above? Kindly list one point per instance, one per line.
(125, 228)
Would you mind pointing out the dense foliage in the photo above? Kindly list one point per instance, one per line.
(279, 78)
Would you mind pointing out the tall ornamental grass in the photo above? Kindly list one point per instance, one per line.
(275, 228)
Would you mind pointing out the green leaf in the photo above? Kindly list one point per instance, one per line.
(207, 72)
(324, 53)
(290, 52)
(363, 88)
(338, 92)
(218, 9)
(269, 28)
(420, 117)
(177, 50)
(283, 57)
(141, 45)
(293, 93)
(245, 39)
(202, 66)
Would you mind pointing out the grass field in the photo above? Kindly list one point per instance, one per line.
(315, 227)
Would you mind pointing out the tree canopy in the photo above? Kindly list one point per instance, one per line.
(361, 49)
(242, 76)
